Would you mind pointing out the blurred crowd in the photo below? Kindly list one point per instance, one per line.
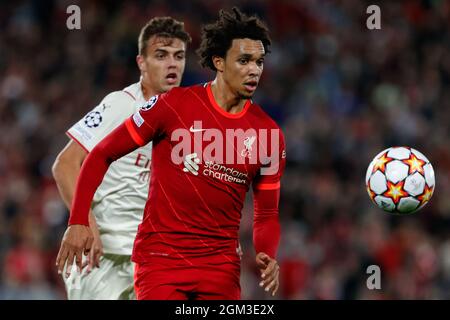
(341, 93)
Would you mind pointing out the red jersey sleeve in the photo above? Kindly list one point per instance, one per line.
(145, 125)
(270, 174)
(114, 146)
(266, 191)
(154, 117)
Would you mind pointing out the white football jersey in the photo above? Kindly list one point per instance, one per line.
(119, 202)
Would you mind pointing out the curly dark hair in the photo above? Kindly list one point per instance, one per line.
(217, 37)
(163, 27)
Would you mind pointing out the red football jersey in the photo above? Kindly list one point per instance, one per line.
(195, 213)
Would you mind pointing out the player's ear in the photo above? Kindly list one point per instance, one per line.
(140, 60)
(219, 63)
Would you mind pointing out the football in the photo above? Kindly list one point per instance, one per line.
(400, 180)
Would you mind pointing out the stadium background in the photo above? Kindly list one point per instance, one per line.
(341, 92)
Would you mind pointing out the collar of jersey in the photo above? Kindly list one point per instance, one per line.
(223, 112)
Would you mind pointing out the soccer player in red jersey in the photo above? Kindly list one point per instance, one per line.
(211, 144)
(119, 201)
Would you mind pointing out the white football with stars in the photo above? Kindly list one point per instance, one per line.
(400, 180)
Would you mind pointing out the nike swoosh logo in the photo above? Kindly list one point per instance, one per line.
(191, 129)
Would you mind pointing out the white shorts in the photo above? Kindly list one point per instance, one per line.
(114, 280)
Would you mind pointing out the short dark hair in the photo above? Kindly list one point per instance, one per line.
(217, 37)
(166, 27)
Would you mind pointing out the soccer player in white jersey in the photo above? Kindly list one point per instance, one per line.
(118, 204)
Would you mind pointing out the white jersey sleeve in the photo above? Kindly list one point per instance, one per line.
(114, 109)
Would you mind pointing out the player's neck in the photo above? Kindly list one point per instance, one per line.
(147, 90)
(225, 98)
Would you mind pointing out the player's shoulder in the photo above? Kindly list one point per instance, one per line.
(133, 91)
(121, 100)
(118, 98)
(127, 95)
(265, 121)
(174, 92)
(257, 111)
(179, 94)
(115, 106)
(181, 91)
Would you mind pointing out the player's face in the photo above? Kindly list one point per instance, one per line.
(163, 65)
(243, 66)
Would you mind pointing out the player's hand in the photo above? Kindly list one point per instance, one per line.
(76, 239)
(270, 272)
(96, 252)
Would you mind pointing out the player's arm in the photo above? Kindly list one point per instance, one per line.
(135, 132)
(66, 169)
(266, 236)
(266, 225)
(78, 236)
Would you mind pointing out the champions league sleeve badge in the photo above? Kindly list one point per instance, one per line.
(93, 119)
(150, 103)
